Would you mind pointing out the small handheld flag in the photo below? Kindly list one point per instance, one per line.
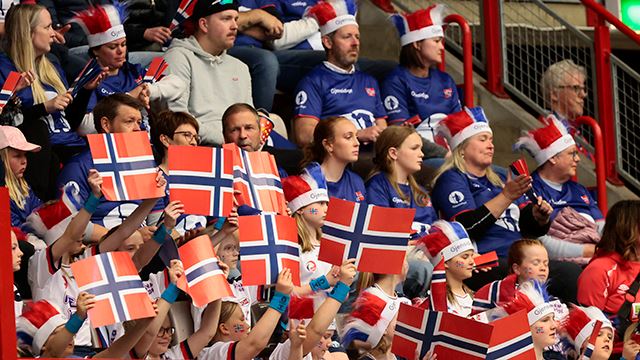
(90, 71)
(519, 167)
(8, 88)
(155, 71)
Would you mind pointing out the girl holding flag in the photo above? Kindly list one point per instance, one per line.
(578, 328)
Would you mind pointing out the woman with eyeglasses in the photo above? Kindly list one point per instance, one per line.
(576, 217)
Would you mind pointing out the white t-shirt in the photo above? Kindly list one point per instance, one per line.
(218, 351)
(462, 307)
(56, 284)
(311, 267)
(282, 351)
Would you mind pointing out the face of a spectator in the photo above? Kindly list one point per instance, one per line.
(68, 350)
(478, 152)
(162, 341)
(132, 243)
(127, 119)
(17, 162)
(185, 135)
(535, 264)
(15, 252)
(236, 327)
(323, 345)
(430, 50)
(409, 154)
(220, 29)
(603, 346)
(228, 252)
(315, 213)
(569, 95)
(243, 129)
(112, 54)
(344, 146)
(343, 46)
(461, 266)
(566, 163)
(43, 34)
(543, 332)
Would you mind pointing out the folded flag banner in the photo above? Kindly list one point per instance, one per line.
(90, 71)
(113, 279)
(126, 164)
(366, 233)
(205, 187)
(486, 261)
(155, 71)
(8, 88)
(256, 178)
(268, 244)
(266, 126)
(453, 337)
(519, 167)
(185, 9)
(205, 280)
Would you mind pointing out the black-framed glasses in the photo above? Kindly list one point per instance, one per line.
(166, 331)
(189, 136)
(576, 88)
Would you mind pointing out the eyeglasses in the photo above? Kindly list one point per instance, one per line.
(574, 154)
(189, 136)
(576, 88)
(166, 331)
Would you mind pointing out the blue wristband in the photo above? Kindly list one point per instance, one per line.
(340, 292)
(170, 294)
(279, 302)
(319, 283)
(91, 204)
(219, 223)
(74, 323)
(161, 234)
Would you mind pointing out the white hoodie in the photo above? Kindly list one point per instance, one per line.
(213, 84)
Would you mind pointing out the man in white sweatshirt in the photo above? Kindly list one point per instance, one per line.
(215, 80)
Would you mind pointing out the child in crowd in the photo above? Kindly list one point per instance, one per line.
(16, 256)
(527, 260)
(13, 152)
(578, 327)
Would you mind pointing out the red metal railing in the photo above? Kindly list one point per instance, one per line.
(467, 56)
(493, 56)
(7, 317)
(601, 180)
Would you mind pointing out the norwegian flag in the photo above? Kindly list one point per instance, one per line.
(256, 178)
(447, 335)
(156, 69)
(185, 9)
(126, 164)
(497, 292)
(8, 88)
(266, 126)
(205, 280)
(519, 167)
(366, 233)
(113, 279)
(438, 288)
(205, 187)
(486, 261)
(90, 71)
(268, 244)
(511, 338)
(588, 352)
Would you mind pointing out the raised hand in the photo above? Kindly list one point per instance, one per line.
(176, 271)
(84, 303)
(95, 182)
(172, 212)
(284, 284)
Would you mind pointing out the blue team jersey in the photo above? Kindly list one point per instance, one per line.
(19, 216)
(406, 95)
(456, 192)
(380, 192)
(108, 213)
(246, 5)
(570, 194)
(125, 81)
(324, 92)
(292, 10)
(60, 132)
(349, 187)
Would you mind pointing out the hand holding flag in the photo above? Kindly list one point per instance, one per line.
(519, 167)
(155, 70)
(9, 87)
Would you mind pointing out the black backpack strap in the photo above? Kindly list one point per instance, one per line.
(624, 312)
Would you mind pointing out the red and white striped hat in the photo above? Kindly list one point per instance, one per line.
(532, 297)
(102, 24)
(446, 240)
(420, 25)
(546, 142)
(308, 188)
(334, 14)
(459, 126)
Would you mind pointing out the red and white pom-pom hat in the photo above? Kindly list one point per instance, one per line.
(446, 240)
(35, 325)
(459, 126)
(308, 188)
(546, 142)
(422, 24)
(532, 297)
(102, 24)
(334, 14)
(580, 323)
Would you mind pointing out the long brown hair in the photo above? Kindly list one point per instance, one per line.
(325, 130)
(393, 137)
(622, 230)
(304, 235)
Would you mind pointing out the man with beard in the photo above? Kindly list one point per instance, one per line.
(336, 88)
(215, 80)
(241, 125)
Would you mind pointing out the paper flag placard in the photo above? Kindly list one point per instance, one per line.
(126, 164)
(256, 178)
(519, 167)
(113, 279)
(155, 71)
(205, 186)
(185, 9)
(205, 280)
(8, 88)
(88, 73)
(268, 244)
(591, 345)
(366, 233)
(486, 261)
